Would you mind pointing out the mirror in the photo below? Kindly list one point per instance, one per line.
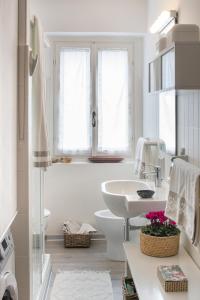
(167, 120)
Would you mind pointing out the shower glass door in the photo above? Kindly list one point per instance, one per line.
(36, 200)
(37, 235)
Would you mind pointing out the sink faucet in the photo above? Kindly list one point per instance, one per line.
(156, 173)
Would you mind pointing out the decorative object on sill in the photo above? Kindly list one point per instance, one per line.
(105, 159)
(55, 160)
(161, 237)
(128, 289)
(145, 193)
(65, 160)
(77, 235)
(172, 278)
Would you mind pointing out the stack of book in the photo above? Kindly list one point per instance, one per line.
(172, 278)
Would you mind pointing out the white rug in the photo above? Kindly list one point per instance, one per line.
(82, 285)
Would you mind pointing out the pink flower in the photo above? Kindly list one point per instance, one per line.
(158, 217)
(172, 222)
(155, 215)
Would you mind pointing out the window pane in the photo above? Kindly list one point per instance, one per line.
(113, 103)
(74, 101)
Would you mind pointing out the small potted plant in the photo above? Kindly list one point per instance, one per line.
(161, 237)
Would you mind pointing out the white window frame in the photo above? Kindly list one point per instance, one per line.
(115, 46)
(58, 47)
(96, 45)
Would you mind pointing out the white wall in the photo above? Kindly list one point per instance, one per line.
(91, 15)
(74, 190)
(189, 124)
(8, 111)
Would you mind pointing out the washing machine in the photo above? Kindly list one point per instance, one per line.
(8, 284)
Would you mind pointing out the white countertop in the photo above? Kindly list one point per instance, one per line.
(144, 272)
(157, 202)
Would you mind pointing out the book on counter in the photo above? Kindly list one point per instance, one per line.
(172, 278)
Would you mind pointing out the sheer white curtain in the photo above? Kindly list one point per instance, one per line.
(73, 127)
(113, 101)
(93, 80)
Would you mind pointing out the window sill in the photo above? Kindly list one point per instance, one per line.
(86, 162)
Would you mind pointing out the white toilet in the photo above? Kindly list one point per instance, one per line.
(113, 228)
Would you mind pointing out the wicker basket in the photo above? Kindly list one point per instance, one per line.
(77, 240)
(159, 246)
(126, 294)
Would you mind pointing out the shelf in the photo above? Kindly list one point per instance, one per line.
(143, 269)
(176, 67)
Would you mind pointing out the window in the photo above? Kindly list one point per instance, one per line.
(74, 101)
(93, 99)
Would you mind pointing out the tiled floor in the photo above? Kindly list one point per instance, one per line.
(93, 258)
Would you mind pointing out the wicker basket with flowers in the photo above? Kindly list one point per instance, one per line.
(161, 237)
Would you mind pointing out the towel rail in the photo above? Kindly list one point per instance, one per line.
(152, 143)
(184, 157)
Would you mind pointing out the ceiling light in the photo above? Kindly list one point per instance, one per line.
(163, 20)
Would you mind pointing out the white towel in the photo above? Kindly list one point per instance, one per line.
(139, 156)
(75, 227)
(86, 228)
(71, 226)
(40, 138)
(148, 152)
(183, 199)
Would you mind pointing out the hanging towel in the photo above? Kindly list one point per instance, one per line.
(161, 149)
(196, 236)
(41, 151)
(148, 152)
(140, 156)
(183, 200)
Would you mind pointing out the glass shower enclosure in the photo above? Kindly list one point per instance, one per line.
(40, 261)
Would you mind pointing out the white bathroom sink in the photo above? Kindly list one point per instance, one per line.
(122, 199)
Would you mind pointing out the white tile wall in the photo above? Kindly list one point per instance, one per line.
(189, 124)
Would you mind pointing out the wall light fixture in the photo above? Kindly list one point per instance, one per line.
(166, 19)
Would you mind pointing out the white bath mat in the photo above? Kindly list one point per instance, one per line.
(82, 285)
